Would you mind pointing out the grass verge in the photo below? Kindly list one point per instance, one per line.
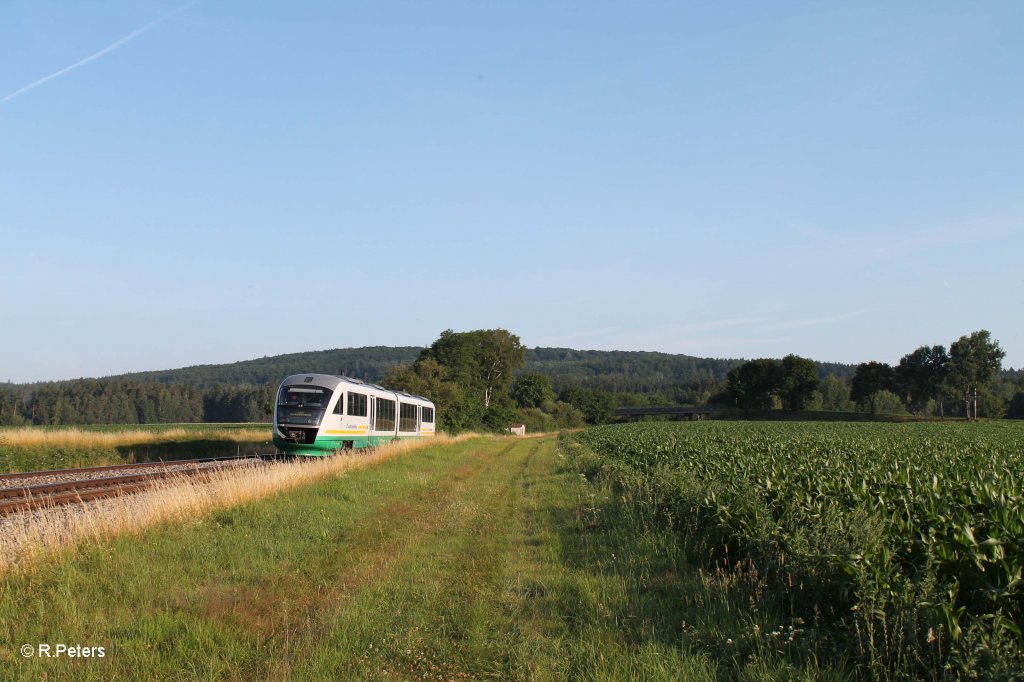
(28, 537)
(483, 559)
(31, 448)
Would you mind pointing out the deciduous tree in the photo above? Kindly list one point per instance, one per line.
(920, 376)
(868, 379)
(973, 360)
(480, 361)
(835, 394)
(799, 381)
(532, 390)
(755, 384)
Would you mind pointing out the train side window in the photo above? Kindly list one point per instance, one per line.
(385, 415)
(428, 415)
(340, 407)
(356, 405)
(406, 417)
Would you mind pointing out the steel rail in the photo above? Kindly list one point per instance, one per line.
(14, 476)
(43, 495)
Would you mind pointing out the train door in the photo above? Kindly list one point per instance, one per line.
(398, 416)
(338, 413)
(372, 411)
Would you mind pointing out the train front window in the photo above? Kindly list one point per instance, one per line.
(304, 396)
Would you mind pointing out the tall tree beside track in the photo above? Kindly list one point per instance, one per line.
(481, 361)
(467, 375)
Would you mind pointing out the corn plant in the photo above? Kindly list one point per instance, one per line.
(849, 519)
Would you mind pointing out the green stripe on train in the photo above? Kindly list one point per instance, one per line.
(326, 445)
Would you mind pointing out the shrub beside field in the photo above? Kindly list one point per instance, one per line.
(33, 448)
(900, 545)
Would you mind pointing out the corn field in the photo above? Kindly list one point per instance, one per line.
(906, 538)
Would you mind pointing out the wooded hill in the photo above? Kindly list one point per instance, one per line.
(369, 364)
(243, 391)
(615, 371)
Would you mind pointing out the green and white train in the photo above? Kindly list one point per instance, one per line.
(319, 414)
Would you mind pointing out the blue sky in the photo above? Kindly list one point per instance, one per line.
(219, 181)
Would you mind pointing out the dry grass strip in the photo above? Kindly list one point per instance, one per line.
(76, 438)
(30, 536)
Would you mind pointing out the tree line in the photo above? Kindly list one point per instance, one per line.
(486, 379)
(368, 363)
(932, 379)
(476, 380)
(612, 371)
(106, 401)
(965, 380)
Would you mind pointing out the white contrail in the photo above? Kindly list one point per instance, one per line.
(96, 55)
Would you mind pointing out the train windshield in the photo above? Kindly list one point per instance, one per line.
(304, 396)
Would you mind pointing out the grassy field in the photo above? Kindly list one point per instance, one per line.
(34, 448)
(197, 427)
(484, 559)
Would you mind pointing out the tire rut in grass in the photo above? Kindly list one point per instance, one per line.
(270, 607)
(441, 598)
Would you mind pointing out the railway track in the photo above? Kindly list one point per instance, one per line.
(29, 490)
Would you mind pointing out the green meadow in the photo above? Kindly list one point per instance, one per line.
(489, 558)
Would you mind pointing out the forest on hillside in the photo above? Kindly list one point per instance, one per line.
(544, 386)
(243, 391)
(615, 371)
(369, 363)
